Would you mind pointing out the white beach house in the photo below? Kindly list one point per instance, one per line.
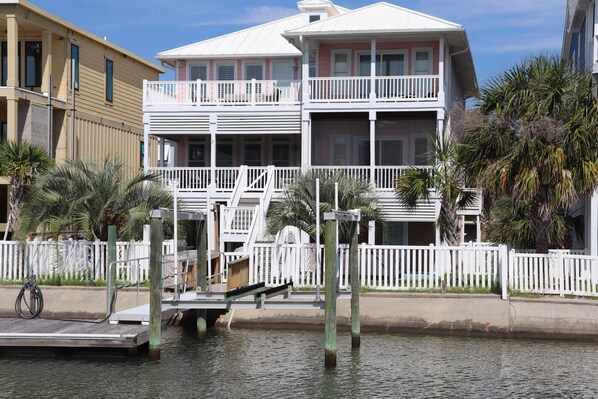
(361, 91)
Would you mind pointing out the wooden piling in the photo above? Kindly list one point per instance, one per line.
(330, 256)
(202, 324)
(156, 239)
(354, 282)
(202, 255)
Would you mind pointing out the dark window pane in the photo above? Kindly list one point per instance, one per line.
(75, 58)
(109, 80)
(33, 64)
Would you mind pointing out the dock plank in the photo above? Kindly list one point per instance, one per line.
(70, 334)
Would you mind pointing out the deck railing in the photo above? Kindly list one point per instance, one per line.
(221, 92)
(386, 88)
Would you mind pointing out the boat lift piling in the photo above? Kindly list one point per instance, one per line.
(156, 239)
(331, 258)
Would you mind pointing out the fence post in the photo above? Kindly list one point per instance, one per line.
(503, 256)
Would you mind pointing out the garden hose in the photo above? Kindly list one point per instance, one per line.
(34, 305)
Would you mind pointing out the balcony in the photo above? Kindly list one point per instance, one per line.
(221, 93)
(386, 89)
(355, 89)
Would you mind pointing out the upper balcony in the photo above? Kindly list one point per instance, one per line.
(352, 89)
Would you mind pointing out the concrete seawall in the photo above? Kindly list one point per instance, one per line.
(452, 314)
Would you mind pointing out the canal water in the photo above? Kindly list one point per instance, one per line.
(290, 364)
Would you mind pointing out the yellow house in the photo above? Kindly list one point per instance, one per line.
(95, 105)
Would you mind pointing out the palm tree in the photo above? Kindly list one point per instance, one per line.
(533, 139)
(446, 181)
(85, 198)
(20, 163)
(298, 205)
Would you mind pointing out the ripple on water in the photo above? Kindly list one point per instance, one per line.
(273, 364)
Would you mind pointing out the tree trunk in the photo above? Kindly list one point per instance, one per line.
(450, 229)
(16, 198)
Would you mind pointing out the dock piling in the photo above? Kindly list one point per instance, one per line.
(330, 256)
(155, 288)
(354, 282)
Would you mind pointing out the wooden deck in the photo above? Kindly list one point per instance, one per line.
(46, 333)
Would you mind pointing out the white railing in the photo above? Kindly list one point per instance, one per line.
(81, 260)
(386, 88)
(189, 179)
(237, 221)
(223, 92)
(386, 176)
(407, 88)
(283, 176)
(557, 272)
(345, 89)
(381, 267)
(358, 172)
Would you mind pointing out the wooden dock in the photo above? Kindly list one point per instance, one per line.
(47, 333)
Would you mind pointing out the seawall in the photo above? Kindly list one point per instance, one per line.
(450, 314)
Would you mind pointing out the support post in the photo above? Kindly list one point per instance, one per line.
(202, 256)
(354, 281)
(155, 288)
(112, 268)
(202, 324)
(330, 255)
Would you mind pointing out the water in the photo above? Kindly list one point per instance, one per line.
(289, 364)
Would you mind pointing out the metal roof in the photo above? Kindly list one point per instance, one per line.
(262, 40)
(376, 18)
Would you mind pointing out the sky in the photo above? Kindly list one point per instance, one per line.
(501, 33)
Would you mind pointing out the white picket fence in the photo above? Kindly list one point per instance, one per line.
(381, 267)
(397, 268)
(83, 260)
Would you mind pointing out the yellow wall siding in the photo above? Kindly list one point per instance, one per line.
(95, 139)
(127, 83)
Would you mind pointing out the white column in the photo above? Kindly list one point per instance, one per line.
(12, 76)
(305, 73)
(592, 223)
(46, 58)
(437, 225)
(372, 232)
(146, 143)
(305, 142)
(441, 71)
(213, 130)
(440, 115)
(373, 147)
(478, 226)
(373, 70)
(162, 163)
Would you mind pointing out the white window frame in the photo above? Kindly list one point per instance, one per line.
(333, 53)
(254, 62)
(189, 66)
(430, 52)
(226, 62)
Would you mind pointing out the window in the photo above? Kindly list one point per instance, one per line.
(421, 59)
(252, 152)
(281, 152)
(395, 233)
(226, 72)
(312, 65)
(341, 64)
(340, 150)
(5, 63)
(198, 72)
(141, 153)
(314, 18)
(75, 65)
(33, 64)
(109, 80)
(386, 64)
(254, 71)
(197, 155)
(4, 132)
(224, 152)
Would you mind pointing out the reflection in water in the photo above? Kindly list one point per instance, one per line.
(274, 364)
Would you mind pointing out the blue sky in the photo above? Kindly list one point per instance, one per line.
(501, 32)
